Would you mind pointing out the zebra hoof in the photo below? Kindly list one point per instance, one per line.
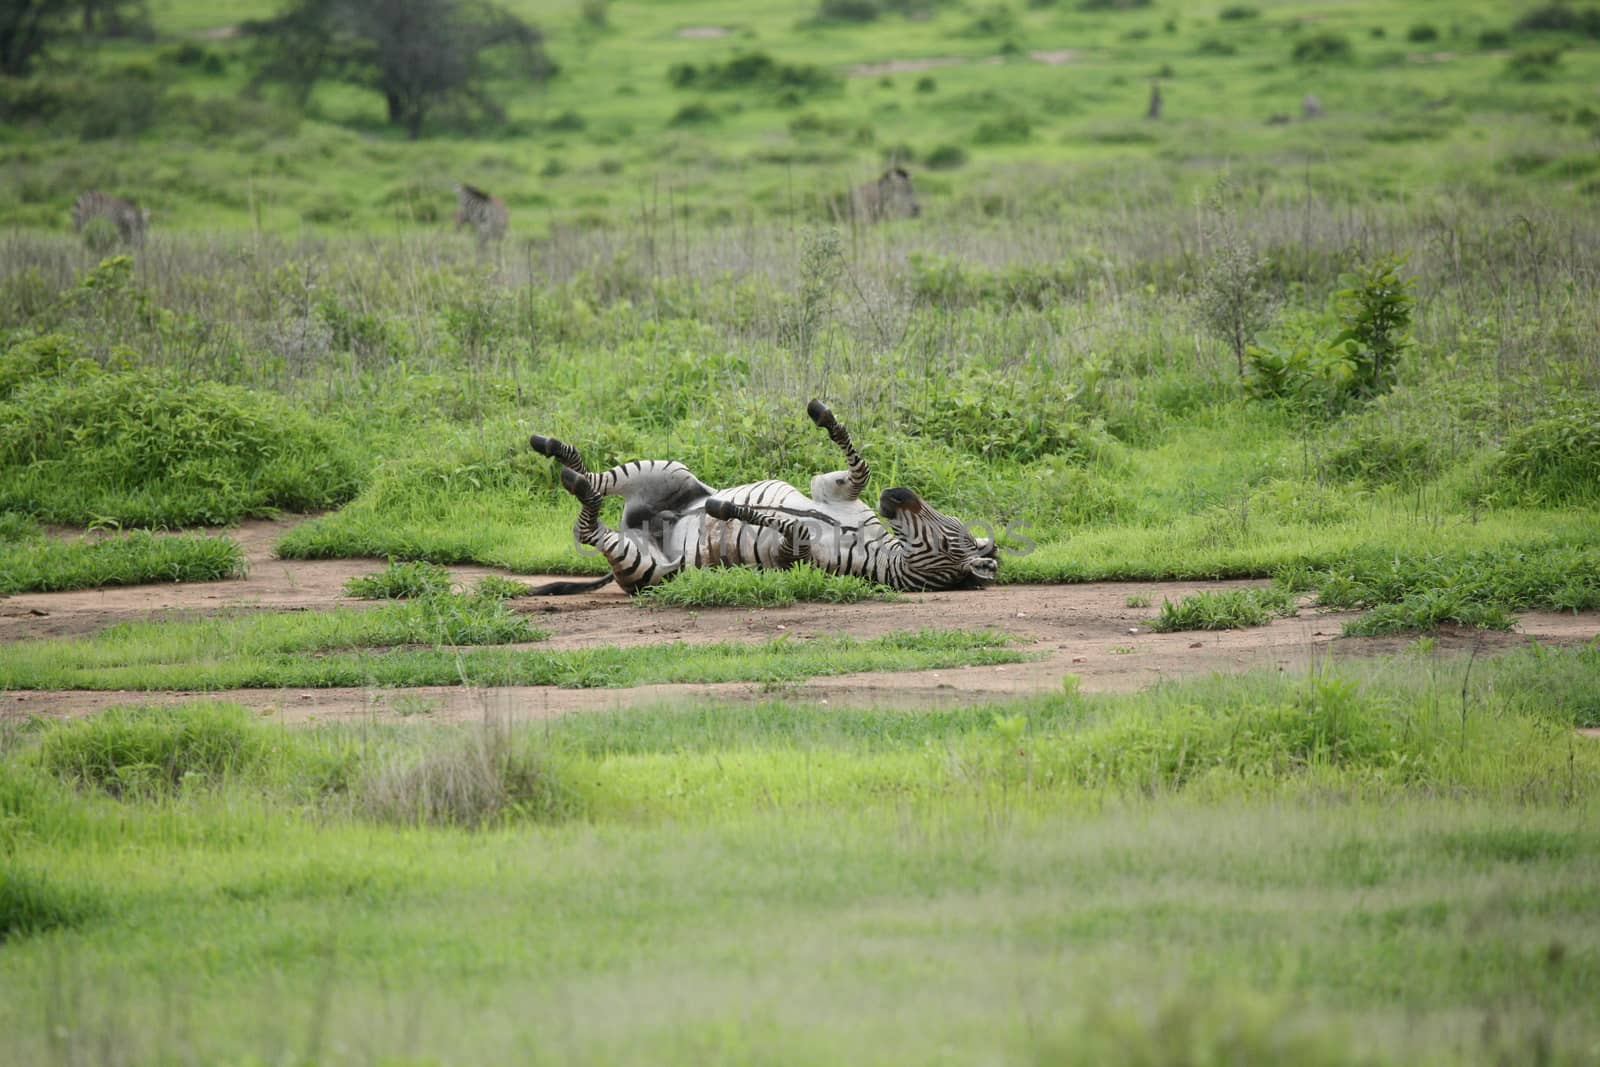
(545, 446)
(578, 485)
(718, 508)
(820, 414)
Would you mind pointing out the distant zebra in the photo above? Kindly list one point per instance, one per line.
(671, 521)
(128, 217)
(890, 197)
(487, 215)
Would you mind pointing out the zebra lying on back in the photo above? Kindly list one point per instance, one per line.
(487, 215)
(129, 218)
(671, 520)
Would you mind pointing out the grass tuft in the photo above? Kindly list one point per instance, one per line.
(746, 587)
(399, 581)
(1228, 609)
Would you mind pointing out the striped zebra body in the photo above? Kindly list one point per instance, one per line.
(671, 521)
(128, 217)
(487, 215)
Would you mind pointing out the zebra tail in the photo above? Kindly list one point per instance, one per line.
(568, 588)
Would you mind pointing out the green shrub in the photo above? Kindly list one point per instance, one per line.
(1238, 12)
(848, 11)
(82, 446)
(945, 157)
(696, 114)
(155, 750)
(399, 581)
(752, 70)
(1213, 46)
(1010, 128)
(1534, 64)
(1561, 18)
(1422, 32)
(1325, 47)
(1494, 39)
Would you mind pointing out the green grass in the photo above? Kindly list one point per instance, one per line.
(196, 656)
(1360, 865)
(82, 445)
(243, 641)
(400, 580)
(1224, 610)
(743, 587)
(46, 565)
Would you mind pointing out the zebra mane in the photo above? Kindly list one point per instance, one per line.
(472, 192)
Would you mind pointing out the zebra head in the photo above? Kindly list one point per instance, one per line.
(896, 197)
(940, 553)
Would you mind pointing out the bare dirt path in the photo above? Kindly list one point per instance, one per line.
(1086, 630)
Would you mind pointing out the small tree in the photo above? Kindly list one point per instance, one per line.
(418, 54)
(1233, 305)
(1375, 307)
(26, 29)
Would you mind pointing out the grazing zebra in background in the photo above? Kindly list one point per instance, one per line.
(671, 520)
(890, 197)
(128, 217)
(487, 215)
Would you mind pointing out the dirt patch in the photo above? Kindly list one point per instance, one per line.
(1055, 57)
(906, 66)
(1085, 630)
(703, 33)
(218, 33)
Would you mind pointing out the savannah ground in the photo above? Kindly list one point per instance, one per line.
(1272, 745)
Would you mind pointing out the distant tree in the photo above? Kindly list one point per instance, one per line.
(418, 54)
(113, 18)
(26, 29)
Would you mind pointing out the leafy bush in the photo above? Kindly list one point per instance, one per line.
(1325, 47)
(1227, 609)
(696, 114)
(1534, 64)
(1422, 32)
(1358, 362)
(1561, 18)
(399, 581)
(1010, 128)
(945, 157)
(753, 70)
(1214, 46)
(848, 11)
(1492, 39)
(1238, 12)
(81, 445)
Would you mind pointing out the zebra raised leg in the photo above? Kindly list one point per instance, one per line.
(856, 473)
(637, 560)
(562, 453)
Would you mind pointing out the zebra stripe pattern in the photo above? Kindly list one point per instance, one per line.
(671, 520)
(128, 217)
(487, 215)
